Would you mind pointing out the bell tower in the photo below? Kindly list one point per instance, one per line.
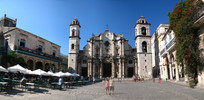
(143, 46)
(74, 41)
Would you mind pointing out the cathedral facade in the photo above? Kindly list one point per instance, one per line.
(109, 54)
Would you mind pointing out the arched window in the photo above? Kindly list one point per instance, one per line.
(72, 46)
(40, 49)
(143, 31)
(144, 46)
(54, 53)
(73, 32)
(22, 43)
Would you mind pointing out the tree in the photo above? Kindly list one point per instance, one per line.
(11, 59)
(187, 37)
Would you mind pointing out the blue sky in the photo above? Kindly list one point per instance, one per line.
(50, 19)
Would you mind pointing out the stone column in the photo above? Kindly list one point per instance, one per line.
(170, 70)
(34, 64)
(94, 69)
(176, 66)
(136, 67)
(123, 47)
(165, 67)
(177, 71)
(101, 48)
(43, 66)
(123, 68)
(113, 69)
(101, 69)
(94, 53)
(186, 75)
(113, 48)
(120, 68)
(89, 65)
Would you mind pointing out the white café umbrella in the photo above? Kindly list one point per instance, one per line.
(50, 73)
(68, 74)
(17, 68)
(29, 72)
(40, 72)
(75, 74)
(59, 74)
(2, 69)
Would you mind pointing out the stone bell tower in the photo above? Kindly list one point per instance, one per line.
(143, 46)
(74, 41)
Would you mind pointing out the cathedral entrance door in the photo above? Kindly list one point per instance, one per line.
(130, 72)
(107, 69)
(84, 71)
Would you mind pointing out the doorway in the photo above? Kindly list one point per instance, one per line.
(107, 69)
(130, 71)
(84, 71)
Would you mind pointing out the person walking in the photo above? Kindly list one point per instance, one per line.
(134, 78)
(159, 80)
(111, 86)
(107, 86)
(94, 80)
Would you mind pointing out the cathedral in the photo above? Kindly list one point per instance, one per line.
(109, 54)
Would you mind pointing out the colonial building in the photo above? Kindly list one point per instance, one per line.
(163, 42)
(199, 24)
(165, 55)
(169, 69)
(156, 46)
(37, 52)
(109, 54)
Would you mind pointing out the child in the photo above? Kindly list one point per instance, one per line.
(107, 86)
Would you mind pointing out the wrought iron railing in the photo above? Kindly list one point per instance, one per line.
(167, 47)
(171, 43)
(36, 52)
(199, 14)
(161, 53)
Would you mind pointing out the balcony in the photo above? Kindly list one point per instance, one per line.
(35, 53)
(199, 18)
(168, 47)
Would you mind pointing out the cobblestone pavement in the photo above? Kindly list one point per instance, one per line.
(146, 90)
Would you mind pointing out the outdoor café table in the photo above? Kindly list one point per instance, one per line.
(54, 84)
(30, 84)
(67, 83)
(6, 78)
(16, 82)
(3, 85)
(80, 82)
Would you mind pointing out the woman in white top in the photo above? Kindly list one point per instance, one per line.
(111, 86)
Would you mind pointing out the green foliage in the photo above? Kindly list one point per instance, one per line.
(11, 59)
(64, 63)
(192, 83)
(186, 36)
